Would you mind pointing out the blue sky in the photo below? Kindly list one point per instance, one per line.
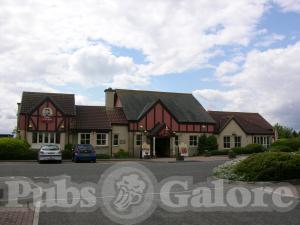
(232, 55)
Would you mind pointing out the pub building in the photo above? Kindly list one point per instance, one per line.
(132, 119)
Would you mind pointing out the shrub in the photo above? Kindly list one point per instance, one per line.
(249, 149)
(205, 143)
(121, 154)
(231, 154)
(293, 143)
(216, 152)
(68, 147)
(238, 150)
(16, 149)
(102, 156)
(269, 166)
(202, 141)
(280, 149)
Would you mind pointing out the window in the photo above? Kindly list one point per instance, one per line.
(52, 138)
(34, 137)
(40, 135)
(57, 137)
(85, 138)
(138, 139)
(116, 140)
(226, 140)
(193, 140)
(102, 139)
(262, 140)
(237, 141)
(46, 138)
(176, 140)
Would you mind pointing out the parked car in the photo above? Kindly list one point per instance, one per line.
(84, 152)
(50, 153)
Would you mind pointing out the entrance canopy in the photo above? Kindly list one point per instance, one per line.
(161, 130)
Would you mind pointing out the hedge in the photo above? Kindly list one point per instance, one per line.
(121, 154)
(293, 143)
(249, 149)
(269, 166)
(216, 152)
(280, 149)
(102, 156)
(16, 149)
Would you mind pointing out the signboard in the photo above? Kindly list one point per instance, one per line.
(47, 114)
(145, 150)
(183, 149)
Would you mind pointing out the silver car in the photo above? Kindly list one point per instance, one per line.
(50, 153)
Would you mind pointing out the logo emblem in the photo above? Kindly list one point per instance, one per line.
(47, 112)
(128, 192)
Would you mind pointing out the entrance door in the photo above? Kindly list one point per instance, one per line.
(162, 147)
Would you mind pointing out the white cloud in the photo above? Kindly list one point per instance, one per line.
(268, 83)
(289, 5)
(48, 42)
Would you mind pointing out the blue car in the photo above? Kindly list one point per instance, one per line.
(84, 153)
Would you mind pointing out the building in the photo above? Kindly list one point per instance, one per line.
(131, 119)
(238, 129)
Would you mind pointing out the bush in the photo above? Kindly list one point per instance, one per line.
(293, 143)
(216, 152)
(231, 154)
(280, 149)
(205, 143)
(16, 149)
(121, 154)
(269, 166)
(67, 152)
(102, 156)
(249, 149)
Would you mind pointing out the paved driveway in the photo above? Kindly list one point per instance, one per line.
(85, 172)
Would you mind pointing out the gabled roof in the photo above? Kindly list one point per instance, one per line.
(250, 123)
(64, 102)
(91, 118)
(183, 106)
(116, 116)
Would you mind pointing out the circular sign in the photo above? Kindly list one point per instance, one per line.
(47, 112)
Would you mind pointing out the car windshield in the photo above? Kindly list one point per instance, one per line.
(50, 148)
(84, 148)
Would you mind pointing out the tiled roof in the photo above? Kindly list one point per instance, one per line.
(97, 117)
(116, 116)
(91, 118)
(251, 123)
(184, 107)
(65, 102)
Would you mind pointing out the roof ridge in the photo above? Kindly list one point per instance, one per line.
(152, 91)
(216, 111)
(47, 93)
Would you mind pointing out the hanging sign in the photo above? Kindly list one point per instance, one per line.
(47, 114)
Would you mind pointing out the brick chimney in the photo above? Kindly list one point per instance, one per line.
(109, 98)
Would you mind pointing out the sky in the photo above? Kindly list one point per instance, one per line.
(232, 55)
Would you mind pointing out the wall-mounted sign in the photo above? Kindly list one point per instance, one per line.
(183, 149)
(47, 114)
(145, 150)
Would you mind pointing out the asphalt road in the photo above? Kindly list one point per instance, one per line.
(89, 172)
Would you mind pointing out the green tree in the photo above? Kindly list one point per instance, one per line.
(205, 143)
(202, 143)
(212, 143)
(283, 131)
